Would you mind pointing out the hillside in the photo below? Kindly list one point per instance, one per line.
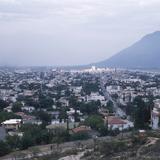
(128, 147)
(143, 54)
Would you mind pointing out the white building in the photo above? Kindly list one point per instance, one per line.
(71, 113)
(155, 121)
(12, 124)
(118, 123)
(29, 109)
(113, 89)
(95, 97)
(155, 115)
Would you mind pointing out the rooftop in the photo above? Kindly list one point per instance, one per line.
(112, 120)
(12, 121)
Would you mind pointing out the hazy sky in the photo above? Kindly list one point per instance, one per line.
(66, 32)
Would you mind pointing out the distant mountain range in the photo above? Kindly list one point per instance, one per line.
(143, 54)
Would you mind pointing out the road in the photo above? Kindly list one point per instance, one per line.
(118, 111)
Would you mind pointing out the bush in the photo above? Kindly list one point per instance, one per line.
(5, 116)
(27, 141)
(95, 122)
(136, 140)
(4, 148)
(80, 136)
(13, 141)
(108, 148)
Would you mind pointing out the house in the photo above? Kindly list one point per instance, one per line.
(85, 129)
(28, 93)
(72, 111)
(62, 125)
(95, 97)
(12, 124)
(26, 118)
(29, 109)
(113, 89)
(71, 114)
(75, 89)
(55, 121)
(8, 109)
(54, 114)
(117, 123)
(64, 102)
(80, 129)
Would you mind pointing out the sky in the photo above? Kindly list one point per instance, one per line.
(72, 32)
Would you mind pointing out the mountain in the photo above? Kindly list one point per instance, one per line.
(143, 54)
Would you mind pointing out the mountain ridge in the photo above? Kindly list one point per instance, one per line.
(145, 53)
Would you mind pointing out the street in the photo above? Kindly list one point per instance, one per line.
(118, 111)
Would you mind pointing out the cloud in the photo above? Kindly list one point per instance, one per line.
(88, 29)
(148, 2)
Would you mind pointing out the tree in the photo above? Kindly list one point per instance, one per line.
(89, 108)
(95, 122)
(80, 136)
(89, 87)
(4, 148)
(110, 106)
(115, 96)
(74, 103)
(27, 141)
(3, 104)
(13, 141)
(129, 109)
(5, 116)
(36, 135)
(46, 102)
(141, 113)
(63, 113)
(98, 103)
(45, 117)
(67, 93)
(60, 135)
(103, 130)
(17, 107)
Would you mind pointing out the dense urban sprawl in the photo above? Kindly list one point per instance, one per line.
(43, 105)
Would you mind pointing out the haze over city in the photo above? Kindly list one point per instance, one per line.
(79, 79)
(67, 32)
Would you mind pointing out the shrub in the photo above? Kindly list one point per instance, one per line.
(4, 148)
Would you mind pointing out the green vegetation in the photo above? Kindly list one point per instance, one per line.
(141, 114)
(89, 87)
(96, 123)
(109, 148)
(4, 148)
(80, 136)
(17, 107)
(3, 104)
(45, 102)
(110, 106)
(34, 135)
(89, 108)
(5, 116)
(60, 135)
(45, 117)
